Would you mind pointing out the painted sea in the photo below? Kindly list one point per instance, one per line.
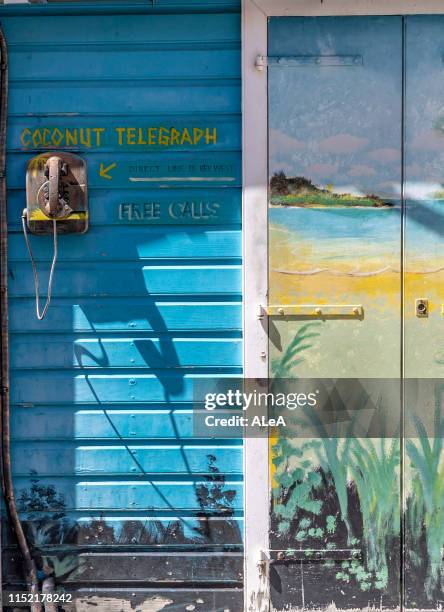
(349, 235)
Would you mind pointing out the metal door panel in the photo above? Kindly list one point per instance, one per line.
(335, 129)
(424, 279)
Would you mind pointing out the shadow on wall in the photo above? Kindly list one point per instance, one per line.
(106, 465)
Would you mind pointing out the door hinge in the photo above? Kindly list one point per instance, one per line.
(306, 555)
(297, 61)
(321, 311)
(261, 62)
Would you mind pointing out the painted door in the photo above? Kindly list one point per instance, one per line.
(354, 228)
(423, 336)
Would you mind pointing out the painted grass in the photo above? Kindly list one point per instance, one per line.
(372, 469)
(375, 472)
(425, 457)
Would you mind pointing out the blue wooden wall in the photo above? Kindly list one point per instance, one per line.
(115, 491)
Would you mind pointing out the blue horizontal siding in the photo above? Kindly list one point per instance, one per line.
(90, 314)
(125, 97)
(167, 243)
(223, 170)
(192, 205)
(164, 352)
(132, 7)
(140, 63)
(25, 135)
(128, 279)
(74, 460)
(111, 30)
(92, 423)
(144, 305)
(172, 495)
(64, 386)
(126, 529)
(192, 526)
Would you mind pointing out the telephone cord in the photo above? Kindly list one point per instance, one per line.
(41, 315)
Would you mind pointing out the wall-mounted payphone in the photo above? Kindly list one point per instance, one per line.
(56, 189)
(56, 203)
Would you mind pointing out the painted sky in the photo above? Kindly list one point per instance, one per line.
(341, 124)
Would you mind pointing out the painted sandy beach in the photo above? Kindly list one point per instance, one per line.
(356, 256)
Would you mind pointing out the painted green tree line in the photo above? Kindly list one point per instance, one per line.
(336, 492)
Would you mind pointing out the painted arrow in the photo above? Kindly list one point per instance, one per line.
(105, 170)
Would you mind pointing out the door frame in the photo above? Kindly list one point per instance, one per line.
(255, 14)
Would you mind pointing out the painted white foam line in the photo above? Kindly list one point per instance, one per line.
(141, 179)
(355, 273)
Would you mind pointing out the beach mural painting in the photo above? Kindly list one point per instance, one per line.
(356, 218)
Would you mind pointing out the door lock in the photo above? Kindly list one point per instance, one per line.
(422, 307)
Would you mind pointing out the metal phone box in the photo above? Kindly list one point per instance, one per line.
(57, 188)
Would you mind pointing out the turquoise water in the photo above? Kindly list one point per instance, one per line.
(424, 223)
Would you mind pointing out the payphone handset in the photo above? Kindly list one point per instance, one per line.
(56, 203)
